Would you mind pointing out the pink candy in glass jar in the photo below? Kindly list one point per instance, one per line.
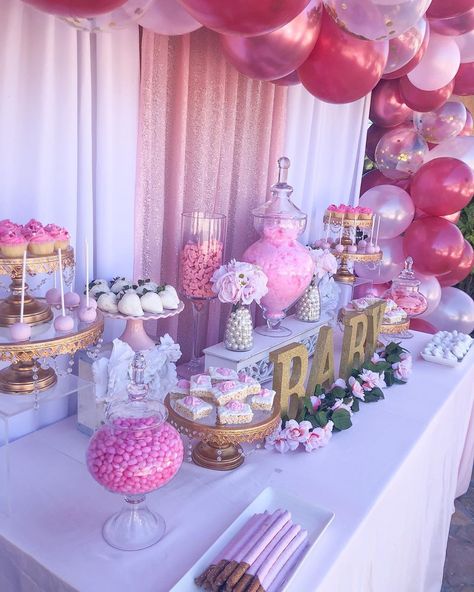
(286, 262)
(135, 452)
(405, 291)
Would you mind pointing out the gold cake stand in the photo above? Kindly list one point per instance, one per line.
(397, 329)
(348, 222)
(344, 274)
(219, 445)
(36, 311)
(25, 375)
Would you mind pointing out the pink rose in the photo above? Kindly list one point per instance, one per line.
(356, 388)
(228, 289)
(402, 370)
(297, 432)
(339, 404)
(280, 442)
(340, 382)
(319, 437)
(371, 380)
(316, 402)
(375, 358)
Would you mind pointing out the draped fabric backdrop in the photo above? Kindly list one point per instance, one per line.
(68, 121)
(326, 145)
(209, 139)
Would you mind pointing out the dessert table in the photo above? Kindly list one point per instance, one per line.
(390, 480)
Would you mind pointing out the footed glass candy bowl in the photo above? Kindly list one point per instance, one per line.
(135, 452)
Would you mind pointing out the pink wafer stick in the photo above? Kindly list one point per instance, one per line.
(266, 539)
(244, 534)
(268, 549)
(287, 552)
(284, 542)
(287, 569)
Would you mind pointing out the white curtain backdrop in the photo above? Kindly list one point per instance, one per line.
(326, 145)
(68, 128)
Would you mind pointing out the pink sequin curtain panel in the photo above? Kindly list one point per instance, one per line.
(209, 139)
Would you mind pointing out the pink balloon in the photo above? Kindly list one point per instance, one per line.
(370, 289)
(244, 17)
(403, 49)
(424, 100)
(416, 59)
(290, 79)
(374, 178)
(468, 129)
(431, 290)
(374, 133)
(439, 64)
(466, 46)
(464, 81)
(422, 326)
(454, 218)
(442, 186)
(455, 311)
(387, 108)
(81, 8)
(391, 265)
(375, 19)
(447, 8)
(342, 68)
(462, 270)
(460, 147)
(278, 53)
(435, 244)
(168, 17)
(442, 124)
(394, 206)
(400, 153)
(456, 25)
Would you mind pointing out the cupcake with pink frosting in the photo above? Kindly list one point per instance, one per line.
(31, 228)
(61, 236)
(7, 225)
(40, 243)
(12, 244)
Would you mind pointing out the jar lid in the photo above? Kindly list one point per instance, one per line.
(280, 205)
(407, 276)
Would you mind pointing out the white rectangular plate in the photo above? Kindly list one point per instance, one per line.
(312, 518)
(440, 361)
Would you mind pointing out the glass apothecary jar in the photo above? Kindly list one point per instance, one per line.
(405, 291)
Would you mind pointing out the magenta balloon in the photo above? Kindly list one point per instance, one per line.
(278, 53)
(416, 59)
(374, 133)
(290, 79)
(439, 64)
(464, 81)
(435, 244)
(462, 270)
(454, 218)
(422, 326)
(244, 17)
(456, 25)
(442, 124)
(81, 8)
(376, 19)
(400, 152)
(424, 100)
(370, 289)
(374, 178)
(387, 108)
(391, 265)
(468, 129)
(455, 311)
(168, 17)
(440, 9)
(342, 68)
(431, 290)
(403, 49)
(394, 207)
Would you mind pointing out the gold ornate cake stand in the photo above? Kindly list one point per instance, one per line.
(348, 222)
(219, 446)
(25, 375)
(36, 311)
(397, 329)
(344, 274)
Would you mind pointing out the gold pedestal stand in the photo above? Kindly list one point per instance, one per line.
(219, 446)
(36, 311)
(25, 375)
(344, 274)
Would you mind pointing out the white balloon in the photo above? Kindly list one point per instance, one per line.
(461, 147)
(391, 265)
(454, 312)
(168, 17)
(466, 46)
(439, 64)
(431, 290)
(393, 205)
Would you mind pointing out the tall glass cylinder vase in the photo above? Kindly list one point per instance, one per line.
(202, 253)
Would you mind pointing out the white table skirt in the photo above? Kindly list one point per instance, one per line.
(391, 481)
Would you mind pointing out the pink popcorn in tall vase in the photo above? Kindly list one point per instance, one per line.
(199, 261)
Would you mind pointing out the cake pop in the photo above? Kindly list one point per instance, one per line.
(63, 322)
(72, 299)
(87, 312)
(21, 331)
(53, 295)
(317, 243)
(352, 249)
(362, 245)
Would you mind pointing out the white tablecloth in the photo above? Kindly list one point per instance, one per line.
(391, 481)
